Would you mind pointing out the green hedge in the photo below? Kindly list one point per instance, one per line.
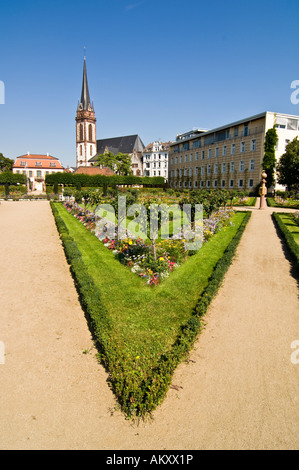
(70, 179)
(287, 235)
(139, 393)
(12, 178)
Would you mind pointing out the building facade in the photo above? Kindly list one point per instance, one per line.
(229, 157)
(155, 159)
(36, 167)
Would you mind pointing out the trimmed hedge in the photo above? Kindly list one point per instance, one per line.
(100, 180)
(138, 393)
(12, 178)
(287, 236)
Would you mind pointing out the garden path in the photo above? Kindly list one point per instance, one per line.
(238, 391)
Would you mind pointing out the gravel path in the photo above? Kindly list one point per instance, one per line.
(239, 389)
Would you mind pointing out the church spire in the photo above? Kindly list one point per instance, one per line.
(85, 98)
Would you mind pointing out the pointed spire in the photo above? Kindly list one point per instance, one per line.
(85, 99)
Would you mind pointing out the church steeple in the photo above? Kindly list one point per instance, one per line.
(85, 98)
(86, 144)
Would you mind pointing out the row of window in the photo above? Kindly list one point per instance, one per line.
(213, 184)
(52, 164)
(208, 153)
(156, 165)
(201, 170)
(155, 156)
(90, 150)
(38, 173)
(81, 133)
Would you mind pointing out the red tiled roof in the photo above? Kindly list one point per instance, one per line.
(29, 161)
(94, 170)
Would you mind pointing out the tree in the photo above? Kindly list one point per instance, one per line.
(288, 166)
(269, 161)
(5, 163)
(119, 163)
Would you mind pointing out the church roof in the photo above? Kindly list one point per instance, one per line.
(85, 98)
(124, 144)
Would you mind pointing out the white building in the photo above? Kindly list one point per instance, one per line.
(155, 159)
(35, 168)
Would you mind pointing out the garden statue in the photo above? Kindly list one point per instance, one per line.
(263, 191)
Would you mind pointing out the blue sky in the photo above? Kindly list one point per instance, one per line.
(155, 67)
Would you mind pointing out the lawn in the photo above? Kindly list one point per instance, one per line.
(145, 323)
(289, 228)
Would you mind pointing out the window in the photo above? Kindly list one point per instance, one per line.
(80, 150)
(217, 152)
(38, 163)
(215, 183)
(231, 183)
(241, 183)
(90, 132)
(176, 160)
(253, 145)
(223, 167)
(202, 171)
(243, 147)
(236, 132)
(171, 161)
(232, 167)
(181, 159)
(202, 184)
(208, 184)
(191, 157)
(250, 183)
(91, 151)
(186, 158)
(190, 171)
(196, 156)
(252, 165)
(245, 130)
(195, 184)
(216, 168)
(23, 164)
(202, 154)
(209, 169)
(30, 174)
(185, 184)
(242, 165)
(185, 172)
(223, 184)
(38, 173)
(52, 164)
(210, 153)
(190, 184)
(224, 151)
(233, 149)
(196, 171)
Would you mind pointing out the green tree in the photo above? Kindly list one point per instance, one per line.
(269, 161)
(288, 166)
(5, 163)
(119, 163)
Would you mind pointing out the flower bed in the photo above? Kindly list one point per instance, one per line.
(138, 254)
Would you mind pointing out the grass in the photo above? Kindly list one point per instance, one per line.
(290, 232)
(146, 323)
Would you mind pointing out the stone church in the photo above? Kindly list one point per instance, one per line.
(88, 148)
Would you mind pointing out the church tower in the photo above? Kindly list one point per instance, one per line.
(86, 139)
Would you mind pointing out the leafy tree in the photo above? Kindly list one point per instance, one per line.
(288, 166)
(269, 161)
(119, 163)
(5, 163)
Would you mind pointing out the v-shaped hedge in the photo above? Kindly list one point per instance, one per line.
(143, 333)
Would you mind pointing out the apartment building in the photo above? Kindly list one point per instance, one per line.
(155, 159)
(229, 157)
